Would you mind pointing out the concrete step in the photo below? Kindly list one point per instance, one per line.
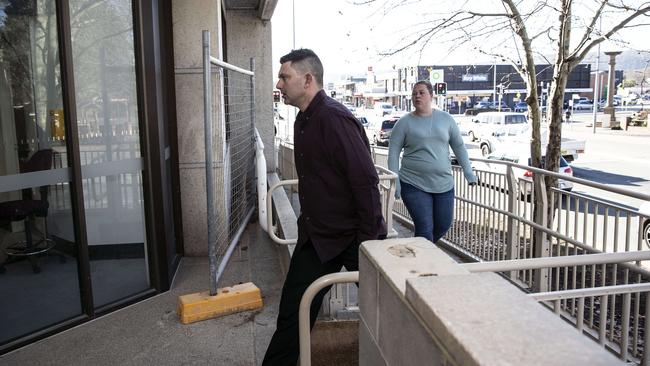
(335, 343)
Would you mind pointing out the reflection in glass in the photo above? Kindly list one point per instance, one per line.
(39, 285)
(104, 73)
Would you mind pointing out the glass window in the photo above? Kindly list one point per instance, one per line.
(39, 284)
(514, 119)
(388, 124)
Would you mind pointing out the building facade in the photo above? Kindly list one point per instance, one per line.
(469, 84)
(101, 186)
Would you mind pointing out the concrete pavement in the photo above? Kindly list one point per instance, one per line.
(149, 332)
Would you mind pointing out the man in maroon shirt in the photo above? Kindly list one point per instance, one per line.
(339, 197)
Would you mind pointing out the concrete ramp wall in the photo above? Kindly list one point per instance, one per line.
(419, 307)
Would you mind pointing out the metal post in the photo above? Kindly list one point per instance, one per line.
(209, 179)
(252, 92)
(597, 81)
(542, 249)
(252, 63)
(513, 225)
(494, 82)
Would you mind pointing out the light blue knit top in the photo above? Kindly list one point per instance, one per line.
(426, 141)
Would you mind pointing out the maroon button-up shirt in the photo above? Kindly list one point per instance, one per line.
(339, 197)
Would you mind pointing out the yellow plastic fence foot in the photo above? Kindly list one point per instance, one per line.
(228, 300)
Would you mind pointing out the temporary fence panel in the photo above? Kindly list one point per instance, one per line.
(229, 102)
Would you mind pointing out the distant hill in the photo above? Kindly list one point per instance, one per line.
(628, 60)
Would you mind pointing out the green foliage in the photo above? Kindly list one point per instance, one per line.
(628, 83)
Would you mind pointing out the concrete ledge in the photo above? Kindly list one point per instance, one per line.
(417, 306)
(483, 320)
(400, 259)
(286, 221)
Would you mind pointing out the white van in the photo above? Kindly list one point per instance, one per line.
(382, 109)
(487, 123)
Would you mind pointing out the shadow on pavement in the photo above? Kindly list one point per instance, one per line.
(606, 178)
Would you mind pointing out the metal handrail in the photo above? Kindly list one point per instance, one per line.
(568, 261)
(269, 212)
(384, 174)
(225, 65)
(304, 328)
(605, 187)
(591, 292)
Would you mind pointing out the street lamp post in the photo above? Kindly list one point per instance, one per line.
(494, 85)
(596, 90)
(611, 89)
(597, 81)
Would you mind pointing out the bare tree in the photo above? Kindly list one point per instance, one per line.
(523, 32)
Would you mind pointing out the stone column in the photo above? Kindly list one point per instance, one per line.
(190, 18)
(611, 90)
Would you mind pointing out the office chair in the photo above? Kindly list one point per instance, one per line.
(27, 209)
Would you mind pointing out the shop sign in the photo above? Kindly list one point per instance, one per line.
(473, 78)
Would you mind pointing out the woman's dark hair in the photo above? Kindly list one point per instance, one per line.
(305, 60)
(425, 83)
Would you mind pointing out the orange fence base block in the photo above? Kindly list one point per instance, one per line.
(228, 300)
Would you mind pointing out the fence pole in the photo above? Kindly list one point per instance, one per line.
(513, 224)
(209, 179)
(541, 245)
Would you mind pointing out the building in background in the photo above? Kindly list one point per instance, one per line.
(468, 84)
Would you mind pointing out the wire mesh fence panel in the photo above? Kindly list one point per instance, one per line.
(229, 132)
(240, 152)
(233, 153)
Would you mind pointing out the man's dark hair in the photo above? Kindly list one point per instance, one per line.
(425, 83)
(305, 60)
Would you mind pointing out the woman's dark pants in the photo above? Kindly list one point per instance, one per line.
(432, 213)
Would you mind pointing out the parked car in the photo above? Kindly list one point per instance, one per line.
(503, 136)
(379, 129)
(382, 109)
(482, 105)
(583, 105)
(511, 135)
(645, 211)
(521, 107)
(486, 123)
(363, 120)
(615, 102)
(520, 154)
(503, 107)
(644, 100)
(350, 107)
(631, 99)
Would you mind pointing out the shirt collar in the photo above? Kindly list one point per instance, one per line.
(315, 102)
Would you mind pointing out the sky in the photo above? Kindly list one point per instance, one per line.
(346, 37)
(349, 38)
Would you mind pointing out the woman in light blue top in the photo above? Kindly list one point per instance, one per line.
(425, 182)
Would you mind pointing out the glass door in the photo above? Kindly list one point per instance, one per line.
(103, 61)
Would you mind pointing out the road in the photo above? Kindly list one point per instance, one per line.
(617, 158)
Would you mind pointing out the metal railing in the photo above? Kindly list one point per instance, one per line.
(495, 222)
(341, 301)
(387, 183)
(556, 297)
(615, 336)
(229, 118)
(304, 326)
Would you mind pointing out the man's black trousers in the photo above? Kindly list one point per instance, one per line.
(305, 268)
